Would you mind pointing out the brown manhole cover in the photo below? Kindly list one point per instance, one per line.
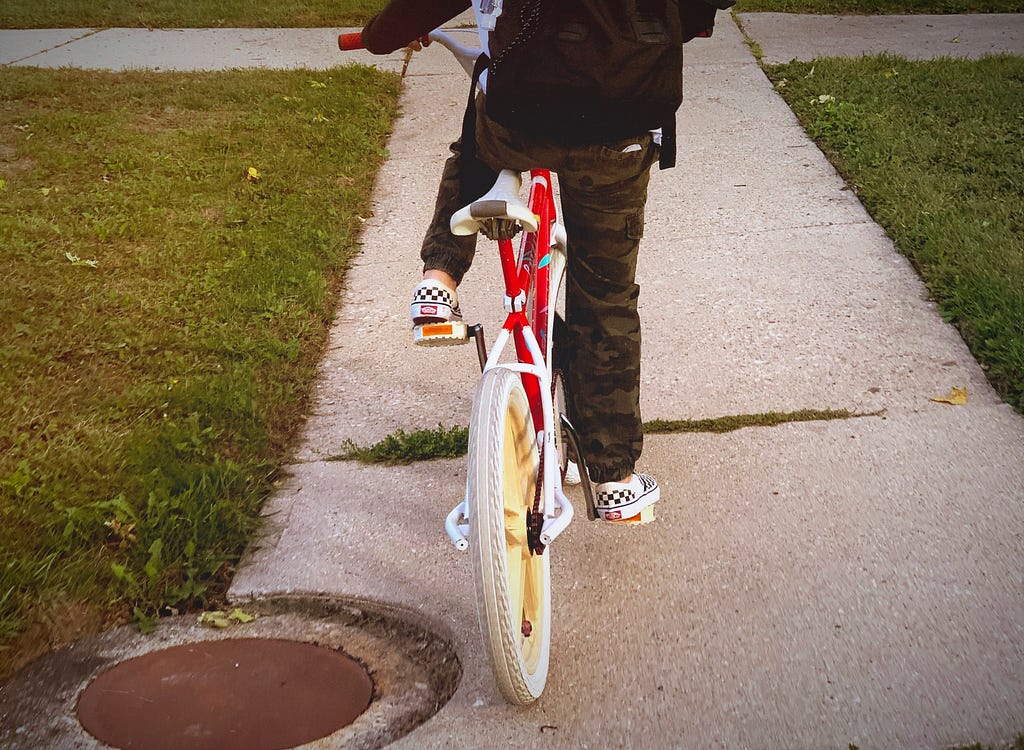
(251, 693)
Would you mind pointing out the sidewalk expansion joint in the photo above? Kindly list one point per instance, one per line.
(56, 46)
(402, 448)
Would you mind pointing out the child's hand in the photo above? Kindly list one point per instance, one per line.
(417, 44)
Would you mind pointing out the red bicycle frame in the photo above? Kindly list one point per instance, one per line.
(527, 273)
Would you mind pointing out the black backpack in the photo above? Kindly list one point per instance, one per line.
(592, 71)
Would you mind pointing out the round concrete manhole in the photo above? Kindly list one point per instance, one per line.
(302, 666)
(238, 694)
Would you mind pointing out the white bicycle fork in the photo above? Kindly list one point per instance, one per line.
(556, 507)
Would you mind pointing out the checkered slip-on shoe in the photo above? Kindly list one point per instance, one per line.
(617, 501)
(433, 302)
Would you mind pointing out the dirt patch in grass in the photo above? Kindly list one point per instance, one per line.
(58, 623)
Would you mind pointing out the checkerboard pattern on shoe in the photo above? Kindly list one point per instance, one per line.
(615, 501)
(433, 302)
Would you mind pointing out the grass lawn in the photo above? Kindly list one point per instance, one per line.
(880, 6)
(163, 310)
(31, 14)
(934, 151)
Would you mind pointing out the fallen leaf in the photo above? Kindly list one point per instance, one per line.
(216, 619)
(239, 616)
(956, 397)
(252, 174)
(76, 261)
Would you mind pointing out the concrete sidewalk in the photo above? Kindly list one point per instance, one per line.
(806, 586)
(781, 36)
(787, 36)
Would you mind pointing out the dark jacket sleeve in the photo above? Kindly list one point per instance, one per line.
(402, 21)
(698, 16)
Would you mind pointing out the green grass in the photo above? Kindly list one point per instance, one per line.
(403, 447)
(163, 313)
(879, 6)
(933, 149)
(32, 14)
(740, 421)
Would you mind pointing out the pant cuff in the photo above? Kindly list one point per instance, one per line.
(600, 474)
(449, 263)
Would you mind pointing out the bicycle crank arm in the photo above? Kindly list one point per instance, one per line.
(555, 526)
(476, 332)
(588, 489)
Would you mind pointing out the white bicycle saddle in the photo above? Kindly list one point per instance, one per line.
(502, 201)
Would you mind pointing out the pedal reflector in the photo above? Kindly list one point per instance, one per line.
(644, 516)
(441, 334)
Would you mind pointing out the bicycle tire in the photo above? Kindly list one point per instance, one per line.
(511, 584)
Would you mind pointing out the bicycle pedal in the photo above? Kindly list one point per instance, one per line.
(644, 516)
(450, 333)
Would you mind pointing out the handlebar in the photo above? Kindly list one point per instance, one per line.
(464, 54)
(349, 42)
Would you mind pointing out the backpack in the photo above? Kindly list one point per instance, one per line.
(584, 72)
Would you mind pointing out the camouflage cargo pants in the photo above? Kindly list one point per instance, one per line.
(603, 192)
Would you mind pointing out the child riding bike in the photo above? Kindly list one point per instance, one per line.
(602, 153)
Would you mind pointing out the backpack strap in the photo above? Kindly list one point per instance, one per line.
(667, 157)
(467, 146)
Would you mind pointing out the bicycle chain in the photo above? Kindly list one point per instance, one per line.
(534, 518)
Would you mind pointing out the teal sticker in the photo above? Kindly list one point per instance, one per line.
(547, 259)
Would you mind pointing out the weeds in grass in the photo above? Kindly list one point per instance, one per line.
(401, 447)
(740, 421)
(452, 442)
(163, 311)
(933, 150)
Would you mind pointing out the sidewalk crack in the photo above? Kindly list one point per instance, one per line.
(93, 32)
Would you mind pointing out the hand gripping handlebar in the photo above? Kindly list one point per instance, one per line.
(348, 42)
(465, 54)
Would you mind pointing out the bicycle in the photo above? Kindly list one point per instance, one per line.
(519, 436)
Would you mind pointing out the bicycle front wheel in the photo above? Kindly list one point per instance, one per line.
(513, 586)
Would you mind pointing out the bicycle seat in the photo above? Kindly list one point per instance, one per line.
(497, 211)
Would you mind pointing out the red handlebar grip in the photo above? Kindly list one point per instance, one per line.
(351, 41)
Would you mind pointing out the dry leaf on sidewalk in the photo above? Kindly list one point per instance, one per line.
(956, 397)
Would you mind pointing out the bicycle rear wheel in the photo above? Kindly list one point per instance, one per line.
(513, 586)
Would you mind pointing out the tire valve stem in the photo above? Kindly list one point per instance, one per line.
(527, 628)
